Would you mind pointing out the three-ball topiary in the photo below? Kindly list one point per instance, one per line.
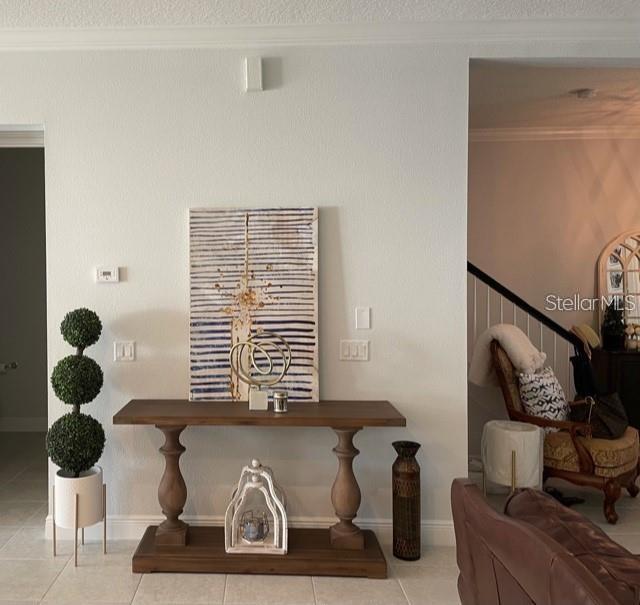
(75, 441)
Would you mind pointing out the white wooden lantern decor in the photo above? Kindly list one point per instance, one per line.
(256, 518)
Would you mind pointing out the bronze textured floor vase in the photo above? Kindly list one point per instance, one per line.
(406, 501)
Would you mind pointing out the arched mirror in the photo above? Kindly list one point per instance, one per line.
(619, 273)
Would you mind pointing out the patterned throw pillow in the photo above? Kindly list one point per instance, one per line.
(542, 396)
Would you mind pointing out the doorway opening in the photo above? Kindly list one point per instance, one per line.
(553, 239)
(23, 329)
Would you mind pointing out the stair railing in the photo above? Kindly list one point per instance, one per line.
(490, 302)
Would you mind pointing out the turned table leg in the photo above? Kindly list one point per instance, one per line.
(345, 494)
(172, 491)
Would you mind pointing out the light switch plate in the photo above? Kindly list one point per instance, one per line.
(124, 350)
(363, 318)
(354, 350)
(107, 275)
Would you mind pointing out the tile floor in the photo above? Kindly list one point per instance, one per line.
(30, 574)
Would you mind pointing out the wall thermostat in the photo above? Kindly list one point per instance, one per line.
(107, 274)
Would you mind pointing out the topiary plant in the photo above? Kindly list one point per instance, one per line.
(76, 380)
(75, 441)
(613, 325)
(81, 328)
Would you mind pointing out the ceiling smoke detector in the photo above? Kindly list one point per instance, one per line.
(583, 93)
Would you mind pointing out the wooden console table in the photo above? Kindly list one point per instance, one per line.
(342, 550)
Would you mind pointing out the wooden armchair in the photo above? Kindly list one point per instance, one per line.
(571, 453)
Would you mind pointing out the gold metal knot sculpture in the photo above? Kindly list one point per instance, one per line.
(260, 361)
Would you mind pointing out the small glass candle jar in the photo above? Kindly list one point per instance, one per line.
(280, 399)
(255, 526)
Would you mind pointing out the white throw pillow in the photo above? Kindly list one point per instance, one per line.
(542, 395)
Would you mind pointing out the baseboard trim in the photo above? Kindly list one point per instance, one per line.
(131, 527)
(19, 424)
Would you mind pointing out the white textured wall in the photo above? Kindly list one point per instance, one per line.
(117, 13)
(375, 136)
(133, 139)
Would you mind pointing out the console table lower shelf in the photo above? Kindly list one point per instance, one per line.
(310, 553)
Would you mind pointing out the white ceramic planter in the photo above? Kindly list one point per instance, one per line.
(88, 487)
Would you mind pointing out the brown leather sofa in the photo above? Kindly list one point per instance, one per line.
(538, 551)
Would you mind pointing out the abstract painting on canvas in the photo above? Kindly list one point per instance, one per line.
(252, 271)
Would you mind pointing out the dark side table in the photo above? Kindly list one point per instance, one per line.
(619, 371)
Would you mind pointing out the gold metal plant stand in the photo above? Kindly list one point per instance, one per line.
(75, 527)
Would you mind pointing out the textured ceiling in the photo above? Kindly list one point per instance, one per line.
(135, 13)
(505, 94)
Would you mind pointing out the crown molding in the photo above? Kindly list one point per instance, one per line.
(594, 133)
(226, 36)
